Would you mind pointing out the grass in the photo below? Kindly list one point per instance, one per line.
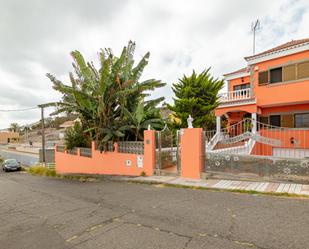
(43, 171)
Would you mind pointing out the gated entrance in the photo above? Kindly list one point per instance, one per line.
(228, 166)
(168, 151)
(267, 152)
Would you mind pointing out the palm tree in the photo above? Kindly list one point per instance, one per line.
(100, 96)
(14, 127)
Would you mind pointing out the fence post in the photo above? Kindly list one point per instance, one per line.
(78, 151)
(116, 147)
(191, 153)
(149, 152)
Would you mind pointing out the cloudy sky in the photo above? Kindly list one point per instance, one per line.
(37, 37)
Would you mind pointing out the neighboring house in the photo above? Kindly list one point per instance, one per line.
(272, 91)
(65, 125)
(8, 137)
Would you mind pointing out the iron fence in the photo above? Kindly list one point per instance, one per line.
(168, 150)
(85, 152)
(109, 146)
(72, 151)
(60, 148)
(208, 135)
(131, 147)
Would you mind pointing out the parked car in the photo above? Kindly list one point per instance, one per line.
(11, 165)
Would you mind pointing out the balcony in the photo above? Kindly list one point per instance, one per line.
(237, 97)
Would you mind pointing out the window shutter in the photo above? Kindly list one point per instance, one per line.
(289, 73)
(287, 120)
(303, 70)
(263, 78)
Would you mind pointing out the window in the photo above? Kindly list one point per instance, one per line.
(264, 120)
(303, 70)
(276, 75)
(302, 120)
(275, 120)
(263, 78)
(289, 72)
(242, 87)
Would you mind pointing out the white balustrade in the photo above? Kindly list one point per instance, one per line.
(243, 94)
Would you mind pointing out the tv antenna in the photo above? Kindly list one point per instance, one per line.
(255, 26)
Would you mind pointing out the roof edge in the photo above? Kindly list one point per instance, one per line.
(253, 57)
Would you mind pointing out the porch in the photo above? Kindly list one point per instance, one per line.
(252, 137)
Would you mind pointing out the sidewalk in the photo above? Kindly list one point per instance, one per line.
(263, 187)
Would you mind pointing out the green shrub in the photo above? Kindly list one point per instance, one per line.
(75, 137)
(42, 171)
(1, 160)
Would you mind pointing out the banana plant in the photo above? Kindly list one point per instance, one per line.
(103, 98)
(141, 117)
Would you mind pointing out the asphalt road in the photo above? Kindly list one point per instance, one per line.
(38, 212)
(26, 159)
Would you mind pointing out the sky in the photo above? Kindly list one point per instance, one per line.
(38, 36)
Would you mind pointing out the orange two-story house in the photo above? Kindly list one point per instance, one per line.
(273, 90)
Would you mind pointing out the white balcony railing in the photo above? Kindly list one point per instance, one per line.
(238, 95)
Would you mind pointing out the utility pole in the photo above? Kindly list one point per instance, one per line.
(255, 26)
(43, 134)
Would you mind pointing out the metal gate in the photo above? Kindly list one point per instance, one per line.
(168, 151)
(267, 151)
(227, 166)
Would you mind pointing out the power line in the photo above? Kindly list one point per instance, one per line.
(19, 110)
(26, 109)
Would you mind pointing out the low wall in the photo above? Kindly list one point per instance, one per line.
(109, 163)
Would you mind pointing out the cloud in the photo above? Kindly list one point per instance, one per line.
(37, 37)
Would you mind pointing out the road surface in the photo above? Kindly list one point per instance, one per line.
(39, 212)
(26, 159)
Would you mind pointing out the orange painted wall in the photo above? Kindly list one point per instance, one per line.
(285, 109)
(252, 108)
(300, 137)
(285, 93)
(109, 163)
(238, 81)
(191, 153)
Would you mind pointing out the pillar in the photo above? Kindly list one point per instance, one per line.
(218, 123)
(192, 153)
(149, 152)
(254, 122)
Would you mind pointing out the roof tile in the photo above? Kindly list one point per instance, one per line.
(278, 48)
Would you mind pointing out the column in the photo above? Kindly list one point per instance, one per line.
(149, 152)
(192, 153)
(254, 124)
(218, 123)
